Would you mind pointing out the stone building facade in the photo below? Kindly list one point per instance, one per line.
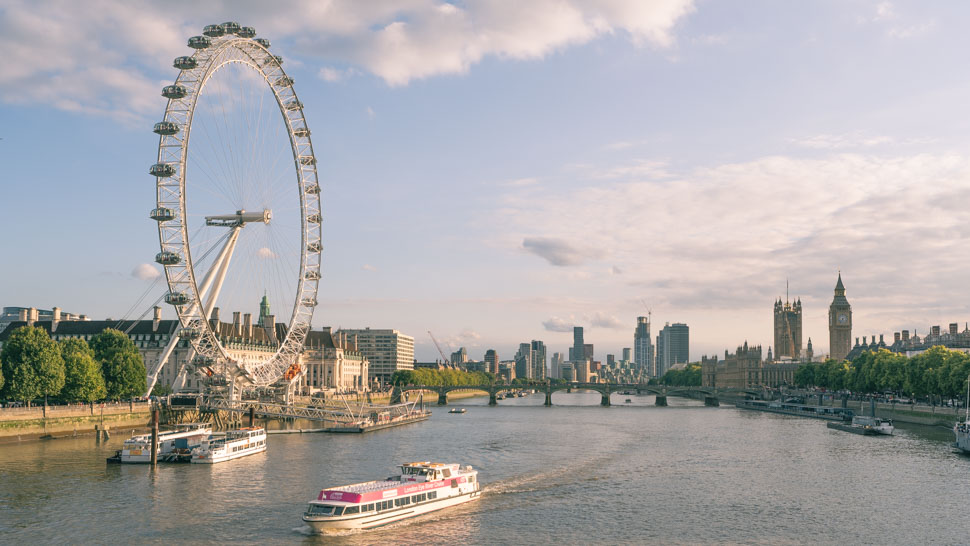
(745, 369)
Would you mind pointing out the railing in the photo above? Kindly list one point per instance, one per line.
(348, 414)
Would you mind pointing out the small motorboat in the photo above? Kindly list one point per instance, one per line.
(457, 410)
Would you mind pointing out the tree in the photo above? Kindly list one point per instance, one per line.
(84, 381)
(121, 364)
(32, 364)
(805, 375)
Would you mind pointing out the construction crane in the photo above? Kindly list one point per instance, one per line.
(444, 359)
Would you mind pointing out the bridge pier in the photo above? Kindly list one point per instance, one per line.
(492, 401)
(548, 398)
(711, 401)
(442, 398)
(605, 401)
(661, 400)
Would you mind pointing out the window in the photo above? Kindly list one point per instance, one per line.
(433, 495)
(323, 510)
(351, 510)
(370, 507)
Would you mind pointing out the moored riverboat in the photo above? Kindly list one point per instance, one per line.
(800, 410)
(230, 445)
(138, 449)
(421, 487)
(866, 426)
(457, 410)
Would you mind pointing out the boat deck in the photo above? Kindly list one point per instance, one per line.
(368, 487)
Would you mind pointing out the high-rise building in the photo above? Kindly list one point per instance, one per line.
(673, 347)
(577, 351)
(556, 364)
(491, 361)
(840, 324)
(530, 360)
(788, 329)
(627, 352)
(538, 360)
(459, 357)
(387, 351)
(523, 361)
(643, 347)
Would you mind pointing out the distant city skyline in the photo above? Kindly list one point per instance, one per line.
(498, 172)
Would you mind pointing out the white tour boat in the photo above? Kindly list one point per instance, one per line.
(181, 439)
(421, 488)
(230, 445)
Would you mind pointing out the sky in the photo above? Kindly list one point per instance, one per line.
(497, 172)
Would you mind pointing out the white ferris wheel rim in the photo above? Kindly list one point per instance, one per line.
(184, 294)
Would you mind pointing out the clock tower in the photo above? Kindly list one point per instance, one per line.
(840, 324)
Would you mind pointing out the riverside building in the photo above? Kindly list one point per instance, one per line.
(387, 351)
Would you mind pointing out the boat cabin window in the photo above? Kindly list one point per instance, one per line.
(351, 510)
(324, 510)
(447, 473)
(370, 508)
(433, 495)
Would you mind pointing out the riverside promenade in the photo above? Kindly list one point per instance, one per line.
(21, 423)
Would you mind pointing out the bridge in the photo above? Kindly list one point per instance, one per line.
(709, 394)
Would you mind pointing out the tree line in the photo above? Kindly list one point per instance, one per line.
(690, 376)
(33, 366)
(938, 371)
(440, 378)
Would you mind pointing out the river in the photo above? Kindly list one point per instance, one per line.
(576, 473)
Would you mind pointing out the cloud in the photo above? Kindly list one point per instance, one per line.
(606, 321)
(838, 142)
(145, 272)
(727, 236)
(558, 251)
(265, 253)
(616, 270)
(330, 74)
(106, 58)
(368, 267)
(556, 324)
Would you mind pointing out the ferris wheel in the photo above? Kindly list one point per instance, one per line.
(238, 211)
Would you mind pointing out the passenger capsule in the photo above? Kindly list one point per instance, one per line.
(185, 63)
(312, 275)
(246, 32)
(166, 128)
(167, 258)
(173, 91)
(162, 214)
(230, 27)
(309, 302)
(162, 170)
(313, 218)
(263, 42)
(293, 105)
(308, 160)
(315, 246)
(199, 42)
(302, 132)
(176, 298)
(313, 189)
(284, 81)
(202, 360)
(275, 60)
(213, 31)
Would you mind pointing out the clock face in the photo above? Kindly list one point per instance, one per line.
(843, 318)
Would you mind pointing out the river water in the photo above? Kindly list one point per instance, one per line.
(576, 473)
